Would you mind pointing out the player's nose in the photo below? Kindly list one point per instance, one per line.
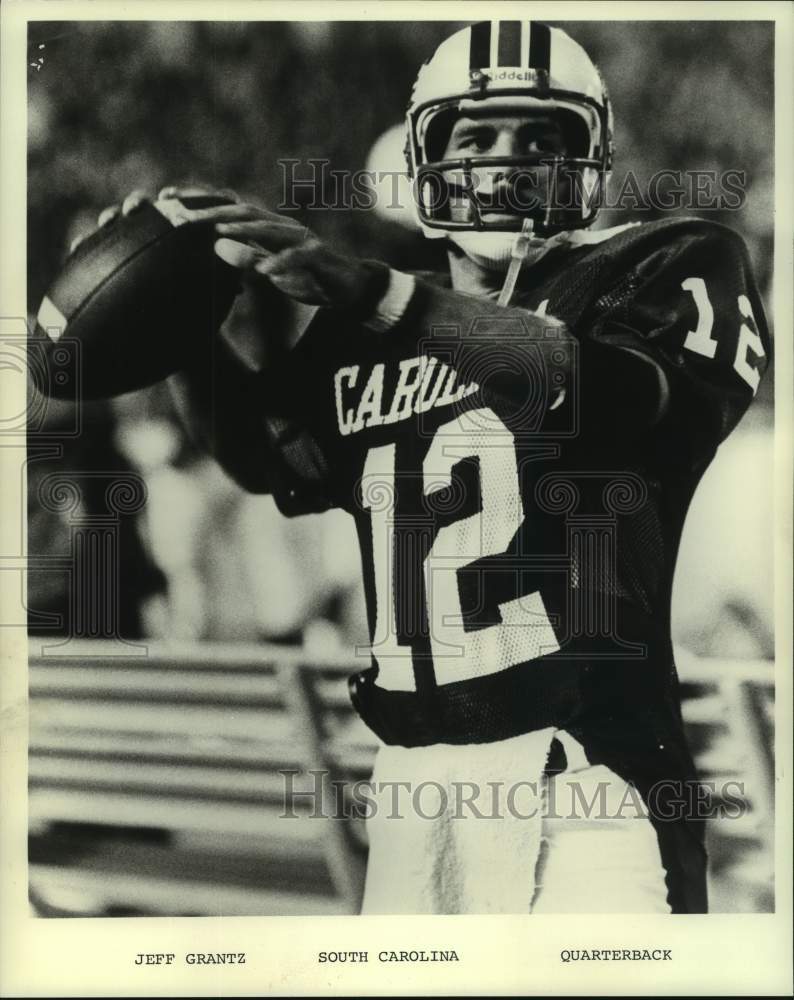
(506, 143)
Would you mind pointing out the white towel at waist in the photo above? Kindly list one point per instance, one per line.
(433, 853)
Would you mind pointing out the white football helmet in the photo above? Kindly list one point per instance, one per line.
(506, 66)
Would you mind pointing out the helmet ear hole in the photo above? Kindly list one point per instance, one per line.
(576, 134)
(439, 130)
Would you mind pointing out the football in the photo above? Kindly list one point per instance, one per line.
(133, 302)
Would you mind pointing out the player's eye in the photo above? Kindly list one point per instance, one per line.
(476, 140)
(544, 142)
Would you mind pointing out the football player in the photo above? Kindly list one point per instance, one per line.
(518, 441)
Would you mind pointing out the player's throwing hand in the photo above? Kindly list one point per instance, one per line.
(288, 254)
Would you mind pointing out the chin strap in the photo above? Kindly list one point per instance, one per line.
(517, 257)
(524, 242)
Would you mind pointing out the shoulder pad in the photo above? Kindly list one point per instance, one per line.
(646, 237)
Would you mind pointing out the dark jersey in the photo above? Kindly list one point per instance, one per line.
(519, 479)
(520, 485)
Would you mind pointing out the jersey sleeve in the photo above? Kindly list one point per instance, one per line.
(676, 339)
(533, 370)
(523, 365)
(691, 311)
(240, 417)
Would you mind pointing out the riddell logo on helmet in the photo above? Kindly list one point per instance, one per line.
(526, 75)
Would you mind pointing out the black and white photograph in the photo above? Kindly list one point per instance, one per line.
(400, 533)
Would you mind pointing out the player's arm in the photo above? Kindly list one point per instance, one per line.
(516, 356)
(408, 316)
(243, 419)
(625, 371)
(684, 351)
(512, 354)
(220, 402)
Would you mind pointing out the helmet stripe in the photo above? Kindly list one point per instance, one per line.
(480, 45)
(524, 57)
(509, 43)
(493, 57)
(539, 45)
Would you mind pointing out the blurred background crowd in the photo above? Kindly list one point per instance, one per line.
(118, 106)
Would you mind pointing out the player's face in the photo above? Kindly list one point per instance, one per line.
(503, 190)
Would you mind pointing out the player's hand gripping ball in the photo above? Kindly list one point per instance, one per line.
(136, 298)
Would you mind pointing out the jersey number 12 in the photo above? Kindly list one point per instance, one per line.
(523, 631)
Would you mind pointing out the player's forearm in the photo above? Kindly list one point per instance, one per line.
(220, 402)
(525, 362)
